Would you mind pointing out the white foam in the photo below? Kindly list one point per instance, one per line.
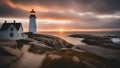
(116, 40)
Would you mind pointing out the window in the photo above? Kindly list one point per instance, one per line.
(11, 29)
(11, 34)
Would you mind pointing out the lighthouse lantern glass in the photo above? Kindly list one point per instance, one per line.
(32, 13)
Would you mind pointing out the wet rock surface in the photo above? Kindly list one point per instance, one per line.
(101, 41)
(52, 41)
(43, 43)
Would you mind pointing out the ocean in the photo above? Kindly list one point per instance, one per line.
(99, 33)
(77, 41)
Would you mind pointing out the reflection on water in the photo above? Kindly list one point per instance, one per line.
(76, 41)
(64, 35)
(61, 33)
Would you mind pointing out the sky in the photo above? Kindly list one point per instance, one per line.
(68, 15)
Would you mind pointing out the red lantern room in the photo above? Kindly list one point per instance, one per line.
(32, 13)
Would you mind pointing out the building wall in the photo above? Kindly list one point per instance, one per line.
(32, 24)
(16, 34)
(20, 33)
(4, 34)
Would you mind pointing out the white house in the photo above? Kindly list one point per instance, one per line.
(12, 30)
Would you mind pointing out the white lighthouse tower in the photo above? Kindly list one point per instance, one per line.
(32, 22)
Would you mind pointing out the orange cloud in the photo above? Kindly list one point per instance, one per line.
(11, 4)
(26, 7)
(53, 21)
(82, 30)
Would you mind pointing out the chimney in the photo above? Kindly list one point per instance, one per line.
(14, 21)
(5, 21)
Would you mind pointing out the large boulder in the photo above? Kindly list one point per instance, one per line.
(52, 41)
(8, 55)
(46, 43)
(8, 42)
(40, 48)
(8, 52)
(68, 58)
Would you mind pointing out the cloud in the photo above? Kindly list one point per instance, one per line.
(95, 6)
(98, 6)
(77, 13)
(105, 6)
(7, 11)
(57, 16)
(113, 24)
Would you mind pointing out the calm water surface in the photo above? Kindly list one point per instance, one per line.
(103, 33)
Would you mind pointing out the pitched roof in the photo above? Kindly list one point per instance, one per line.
(7, 25)
(32, 11)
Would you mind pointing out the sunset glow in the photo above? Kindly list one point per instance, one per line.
(74, 15)
(61, 30)
(25, 7)
(60, 33)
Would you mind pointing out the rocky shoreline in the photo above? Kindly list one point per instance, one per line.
(59, 53)
(101, 41)
(45, 43)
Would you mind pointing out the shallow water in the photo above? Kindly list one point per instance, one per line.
(74, 41)
(102, 33)
(77, 41)
(116, 40)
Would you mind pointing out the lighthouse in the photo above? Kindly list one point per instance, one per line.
(32, 22)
